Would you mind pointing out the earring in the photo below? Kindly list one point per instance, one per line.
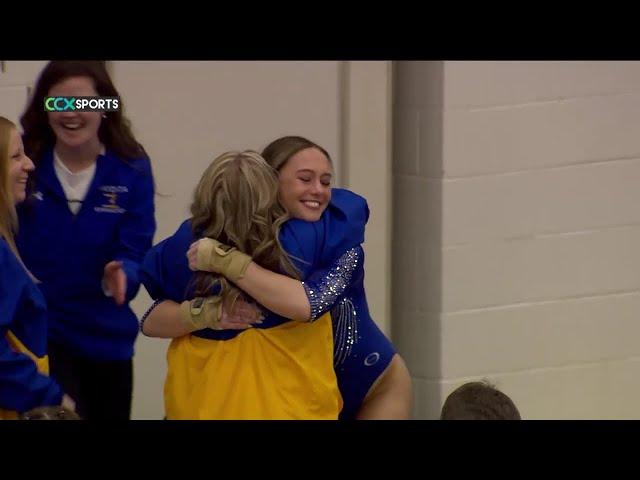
(104, 115)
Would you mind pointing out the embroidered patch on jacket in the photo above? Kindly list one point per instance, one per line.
(111, 194)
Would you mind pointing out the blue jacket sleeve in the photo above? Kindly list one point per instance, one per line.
(319, 245)
(137, 229)
(344, 224)
(302, 241)
(165, 271)
(332, 249)
(22, 387)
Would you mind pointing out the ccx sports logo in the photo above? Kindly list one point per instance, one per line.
(81, 104)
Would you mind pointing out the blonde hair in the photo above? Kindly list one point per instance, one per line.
(236, 202)
(8, 217)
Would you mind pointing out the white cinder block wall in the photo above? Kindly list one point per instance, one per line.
(517, 233)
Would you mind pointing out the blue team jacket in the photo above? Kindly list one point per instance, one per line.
(68, 252)
(23, 313)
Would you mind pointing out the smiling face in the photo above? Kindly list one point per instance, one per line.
(19, 167)
(75, 130)
(305, 184)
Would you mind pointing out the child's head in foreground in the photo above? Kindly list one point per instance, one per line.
(478, 401)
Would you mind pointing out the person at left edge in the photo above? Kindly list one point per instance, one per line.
(24, 366)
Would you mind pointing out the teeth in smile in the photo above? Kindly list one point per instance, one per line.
(312, 204)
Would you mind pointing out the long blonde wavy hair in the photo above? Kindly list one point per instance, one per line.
(8, 217)
(236, 203)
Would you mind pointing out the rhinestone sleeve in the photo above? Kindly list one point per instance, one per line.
(345, 330)
(324, 291)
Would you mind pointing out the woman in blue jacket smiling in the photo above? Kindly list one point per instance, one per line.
(85, 229)
(24, 379)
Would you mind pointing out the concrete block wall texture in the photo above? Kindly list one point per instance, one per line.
(516, 230)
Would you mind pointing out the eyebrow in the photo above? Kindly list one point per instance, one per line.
(313, 171)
